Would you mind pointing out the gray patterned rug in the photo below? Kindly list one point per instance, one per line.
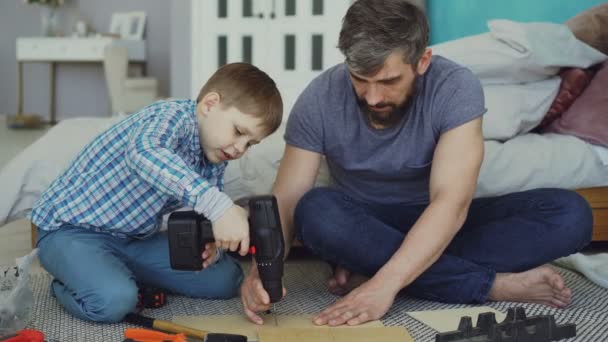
(305, 281)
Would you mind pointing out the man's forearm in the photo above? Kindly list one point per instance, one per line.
(295, 177)
(288, 231)
(286, 209)
(425, 242)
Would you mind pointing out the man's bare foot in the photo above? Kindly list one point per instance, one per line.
(343, 281)
(541, 285)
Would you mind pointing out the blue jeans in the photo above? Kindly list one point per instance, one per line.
(95, 274)
(510, 233)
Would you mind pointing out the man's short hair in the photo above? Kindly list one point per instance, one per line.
(250, 90)
(373, 29)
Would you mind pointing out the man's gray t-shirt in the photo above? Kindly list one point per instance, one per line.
(389, 165)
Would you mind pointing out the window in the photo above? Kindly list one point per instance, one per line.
(290, 8)
(290, 52)
(247, 48)
(247, 8)
(317, 7)
(317, 52)
(222, 8)
(222, 50)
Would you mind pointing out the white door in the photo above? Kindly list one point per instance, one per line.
(292, 40)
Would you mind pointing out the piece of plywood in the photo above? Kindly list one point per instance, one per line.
(240, 325)
(383, 334)
(447, 320)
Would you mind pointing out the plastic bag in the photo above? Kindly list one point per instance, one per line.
(16, 296)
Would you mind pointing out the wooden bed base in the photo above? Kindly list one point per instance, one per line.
(597, 198)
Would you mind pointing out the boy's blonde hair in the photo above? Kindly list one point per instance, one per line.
(250, 90)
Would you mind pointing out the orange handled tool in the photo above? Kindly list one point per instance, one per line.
(146, 335)
(190, 333)
(26, 335)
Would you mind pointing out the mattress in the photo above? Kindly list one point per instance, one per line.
(525, 162)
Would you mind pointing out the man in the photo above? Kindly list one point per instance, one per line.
(401, 132)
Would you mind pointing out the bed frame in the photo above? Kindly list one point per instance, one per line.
(597, 198)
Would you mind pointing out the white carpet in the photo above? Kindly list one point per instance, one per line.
(305, 281)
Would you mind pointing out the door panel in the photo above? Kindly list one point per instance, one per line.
(289, 61)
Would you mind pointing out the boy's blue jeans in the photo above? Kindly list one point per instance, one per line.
(96, 273)
(510, 233)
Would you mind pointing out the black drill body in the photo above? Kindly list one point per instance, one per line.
(189, 232)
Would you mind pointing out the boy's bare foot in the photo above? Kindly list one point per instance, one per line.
(343, 281)
(541, 285)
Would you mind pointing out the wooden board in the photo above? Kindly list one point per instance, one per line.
(384, 334)
(447, 320)
(240, 325)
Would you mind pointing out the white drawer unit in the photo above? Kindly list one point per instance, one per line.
(55, 50)
(60, 49)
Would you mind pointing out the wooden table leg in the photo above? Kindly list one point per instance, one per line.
(19, 88)
(34, 234)
(52, 95)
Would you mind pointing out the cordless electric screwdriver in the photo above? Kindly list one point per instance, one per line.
(189, 232)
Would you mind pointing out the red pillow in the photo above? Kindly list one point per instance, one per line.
(587, 117)
(574, 81)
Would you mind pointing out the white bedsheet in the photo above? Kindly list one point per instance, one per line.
(602, 153)
(525, 162)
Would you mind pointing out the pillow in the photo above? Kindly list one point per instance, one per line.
(591, 27)
(515, 52)
(587, 118)
(532, 161)
(514, 109)
(254, 173)
(574, 81)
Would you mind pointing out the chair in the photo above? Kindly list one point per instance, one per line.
(127, 95)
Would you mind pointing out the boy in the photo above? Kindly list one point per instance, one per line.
(98, 223)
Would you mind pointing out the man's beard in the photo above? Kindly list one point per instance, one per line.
(383, 119)
(388, 118)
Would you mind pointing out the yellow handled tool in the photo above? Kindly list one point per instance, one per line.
(171, 327)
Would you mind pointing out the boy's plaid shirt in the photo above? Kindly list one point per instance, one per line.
(127, 178)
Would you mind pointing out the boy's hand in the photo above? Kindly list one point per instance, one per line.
(211, 254)
(232, 229)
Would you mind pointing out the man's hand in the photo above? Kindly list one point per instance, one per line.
(368, 302)
(253, 296)
(232, 229)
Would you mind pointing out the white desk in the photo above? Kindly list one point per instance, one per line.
(55, 50)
